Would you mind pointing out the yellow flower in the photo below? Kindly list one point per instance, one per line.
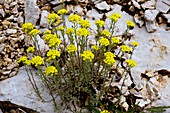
(62, 11)
(61, 28)
(53, 18)
(104, 41)
(23, 59)
(135, 44)
(87, 55)
(84, 23)
(69, 31)
(130, 24)
(115, 40)
(47, 32)
(47, 37)
(115, 17)
(74, 18)
(125, 48)
(30, 50)
(34, 32)
(106, 33)
(95, 47)
(71, 48)
(83, 32)
(99, 23)
(54, 42)
(105, 111)
(51, 70)
(27, 27)
(131, 63)
(109, 54)
(37, 61)
(28, 62)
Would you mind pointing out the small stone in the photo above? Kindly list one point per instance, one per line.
(43, 21)
(2, 12)
(5, 22)
(56, 2)
(167, 16)
(11, 31)
(150, 15)
(2, 2)
(58, 8)
(47, 8)
(20, 19)
(6, 72)
(103, 6)
(138, 20)
(149, 4)
(2, 46)
(136, 4)
(162, 6)
(151, 26)
(140, 1)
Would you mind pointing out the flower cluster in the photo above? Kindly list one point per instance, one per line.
(69, 31)
(62, 11)
(115, 40)
(84, 23)
(106, 33)
(61, 28)
(53, 18)
(37, 61)
(34, 32)
(30, 50)
(130, 24)
(47, 37)
(135, 44)
(95, 47)
(71, 48)
(27, 27)
(52, 54)
(74, 18)
(51, 70)
(47, 32)
(99, 23)
(23, 59)
(109, 58)
(87, 55)
(104, 41)
(125, 48)
(105, 111)
(115, 16)
(83, 32)
(131, 63)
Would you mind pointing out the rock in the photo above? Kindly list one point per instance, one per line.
(5, 22)
(136, 4)
(6, 72)
(162, 6)
(32, 11)
(94, 14)
(151, 26)
(2, 46)
(11, 31)
(2, 2)
(20, 19)
(140, 1)
(167, 16)
(2, 12)
(138, 20)
(150, 15)
(57, 8)
(149, 4)
(56, 2)
(43, 21)
(103, 6)
(79, 10)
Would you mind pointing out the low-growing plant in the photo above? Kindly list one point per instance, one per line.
(83, 74)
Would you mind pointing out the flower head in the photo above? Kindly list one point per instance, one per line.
(135, 44)
(130, 24)
(104, 41)
(74, 18)
(54, 42)
(115, 16)
(105, 111)
(30, 50)
(109, 58)
(69, 31)
(99, 23)
(115, 40)
(34, 32)
(27, 27)
(51, 70)
(61, 28)
(84, 23)
(131, 63)
(71, 48)
(53, 18)
(52, 54)
(109, 54)
(23, 59)
(83, 32)
(37, 61)
(47, 32)
(95, 47)
(87, 55)
(62, 11)
(105, 33)
(47, 37)
(125, 48)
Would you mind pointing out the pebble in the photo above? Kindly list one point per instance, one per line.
(43, 20)
(162, 6)
(149, 4)
(150, 15)
(2, 12)
(151, 26)
(103, 6)
(11, 31)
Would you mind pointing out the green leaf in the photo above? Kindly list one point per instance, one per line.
(158, 109)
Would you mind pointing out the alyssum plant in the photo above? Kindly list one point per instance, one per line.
(81, 73)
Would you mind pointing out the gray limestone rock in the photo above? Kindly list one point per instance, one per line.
(2, 12)
(167, 16)
(149, 4)
(32, 11)
(103, 6)
(43, 21)
(151, 26)
(163, 6)
(150, 15)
